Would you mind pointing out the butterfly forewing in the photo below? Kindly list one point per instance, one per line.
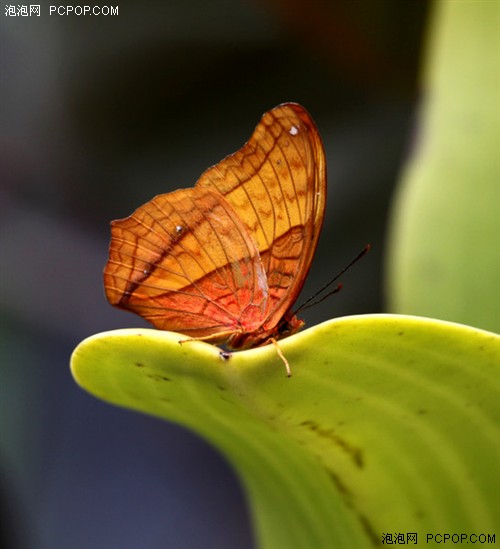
(277, 184)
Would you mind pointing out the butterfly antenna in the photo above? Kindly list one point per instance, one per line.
(307, 303)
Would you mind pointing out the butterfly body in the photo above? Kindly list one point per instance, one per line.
(224, 261)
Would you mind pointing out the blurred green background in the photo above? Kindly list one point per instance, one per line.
(99, 114)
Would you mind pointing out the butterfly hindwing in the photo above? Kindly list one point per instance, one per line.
(185, 262)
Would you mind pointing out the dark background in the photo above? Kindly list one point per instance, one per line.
(99, 114)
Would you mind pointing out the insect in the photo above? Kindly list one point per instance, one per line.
(225, 261)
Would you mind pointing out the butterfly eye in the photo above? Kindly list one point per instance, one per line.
(284, 329)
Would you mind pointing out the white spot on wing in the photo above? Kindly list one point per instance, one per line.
(293, 130)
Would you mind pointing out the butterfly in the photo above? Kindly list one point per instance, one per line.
(225, 261)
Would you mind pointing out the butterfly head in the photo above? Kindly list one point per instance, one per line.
(287, 326)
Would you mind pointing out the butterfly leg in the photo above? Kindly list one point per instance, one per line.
(224, 355)
(215, 339)
(282, 356)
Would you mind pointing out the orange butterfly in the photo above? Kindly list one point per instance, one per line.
(225, 261)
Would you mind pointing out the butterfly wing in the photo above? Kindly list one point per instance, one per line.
(276, 183)
(185, 262)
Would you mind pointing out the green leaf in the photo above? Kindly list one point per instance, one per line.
(388, 424)
(444, 259)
